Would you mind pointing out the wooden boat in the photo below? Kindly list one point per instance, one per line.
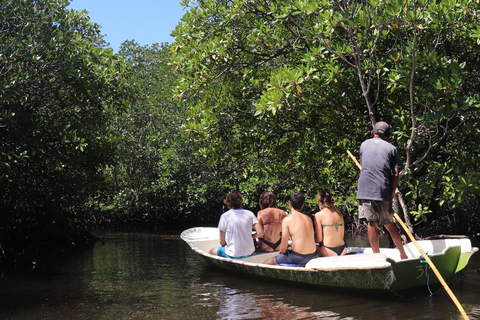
(359, 270)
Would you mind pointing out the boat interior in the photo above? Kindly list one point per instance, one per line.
(430, 248)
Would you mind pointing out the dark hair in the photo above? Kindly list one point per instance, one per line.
(297, 200)
(234, 200)
(325, 200)
(267, 200)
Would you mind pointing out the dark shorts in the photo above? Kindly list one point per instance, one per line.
(291, 257)
(373, 210)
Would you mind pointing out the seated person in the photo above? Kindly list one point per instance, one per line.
(270, 219)
(299, 228)
(330, 227)
(236, 224)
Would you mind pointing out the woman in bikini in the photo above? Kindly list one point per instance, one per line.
(270, 218)
(329, 227)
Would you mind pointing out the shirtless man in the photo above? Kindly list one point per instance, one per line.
(299, 227)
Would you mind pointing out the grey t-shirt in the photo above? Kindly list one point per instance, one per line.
(378, 159)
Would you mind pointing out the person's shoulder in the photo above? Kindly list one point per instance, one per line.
(265, 210)
(381, 141)
(369, 140)
(226, 213)
(307, 217)
(389, 146)
(366, 145)
(238, 211)
(388, 143)
(366, 141)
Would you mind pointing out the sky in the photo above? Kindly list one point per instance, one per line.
(145, 21)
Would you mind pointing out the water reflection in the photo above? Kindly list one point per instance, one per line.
(235, 304)
(148, 276)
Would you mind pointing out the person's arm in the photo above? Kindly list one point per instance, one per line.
(285, 236)
(318, 228)
(260, 223)
(259, 230)
(396, 176)
(223, 243)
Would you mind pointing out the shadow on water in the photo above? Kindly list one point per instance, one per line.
(150, 276)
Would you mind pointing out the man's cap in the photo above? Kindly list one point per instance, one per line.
(382, 129)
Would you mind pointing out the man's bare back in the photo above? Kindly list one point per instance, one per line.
(299, 228)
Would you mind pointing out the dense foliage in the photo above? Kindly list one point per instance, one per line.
(288, 86)
(158, 180)
(59, 91)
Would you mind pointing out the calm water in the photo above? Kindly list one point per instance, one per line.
(148, 276)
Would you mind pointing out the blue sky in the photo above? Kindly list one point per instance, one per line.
(145, 21)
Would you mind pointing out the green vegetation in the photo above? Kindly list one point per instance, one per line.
(59, 92)
(158, 180)
(253, 95)
(291, 85)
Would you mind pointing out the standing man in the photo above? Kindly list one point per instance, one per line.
(377, 184)
(299, 227)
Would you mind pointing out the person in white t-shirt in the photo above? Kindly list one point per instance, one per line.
(236, 226)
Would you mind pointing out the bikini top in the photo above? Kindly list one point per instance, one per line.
(266, 219)
(335, 224)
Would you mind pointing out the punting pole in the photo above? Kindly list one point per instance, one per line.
(430, 263)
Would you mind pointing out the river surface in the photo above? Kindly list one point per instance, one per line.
(151, 276)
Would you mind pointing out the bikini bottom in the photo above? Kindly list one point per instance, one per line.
(338, 250)
(271, 244)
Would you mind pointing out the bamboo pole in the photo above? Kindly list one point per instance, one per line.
(430, 263)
